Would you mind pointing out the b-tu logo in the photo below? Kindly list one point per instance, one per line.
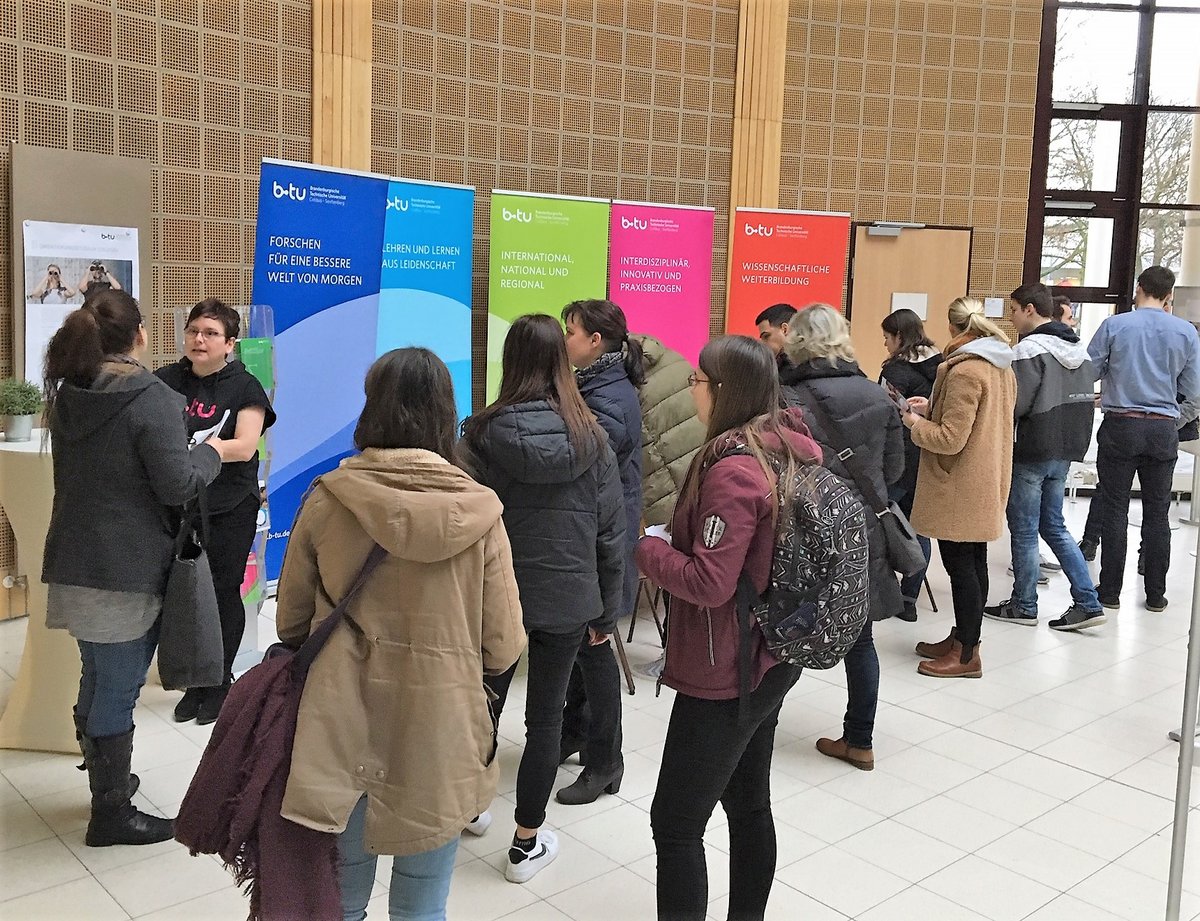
(397, 203)
(634, 223)
(759, 230)
(292, 192)
(518, 215)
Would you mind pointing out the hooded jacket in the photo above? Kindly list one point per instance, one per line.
(869, 425)
(394, 705)
(671, 431)
(122, 470)
(564, 513)
(966, 445)
(214, 401)
(913, 378)
(611, 396)
(729, 530)
(1055, 395)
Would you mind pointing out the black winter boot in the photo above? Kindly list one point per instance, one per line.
(80, 729)
(114, 818)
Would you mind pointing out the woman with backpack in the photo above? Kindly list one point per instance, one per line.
(910, 368)
(395, 743)
(965, 433)
(718, 747)
(844, 409)
(539, 447)
(609, 370)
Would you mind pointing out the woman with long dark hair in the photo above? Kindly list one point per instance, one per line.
(539, 447)
(910, 368)
(122, 470)
(609, 370)
(718, 748)
(394, 742)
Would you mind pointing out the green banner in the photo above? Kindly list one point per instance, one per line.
(545, 252)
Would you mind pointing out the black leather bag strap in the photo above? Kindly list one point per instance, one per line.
(851, 461)
(308, 651)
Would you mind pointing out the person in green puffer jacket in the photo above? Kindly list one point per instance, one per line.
(671, 431)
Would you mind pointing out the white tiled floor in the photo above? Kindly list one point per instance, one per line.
(1043, 792)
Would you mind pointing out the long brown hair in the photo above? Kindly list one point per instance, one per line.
(534, 366)
(743, 378)
(106, 325)
(906, 325)
(410, 404)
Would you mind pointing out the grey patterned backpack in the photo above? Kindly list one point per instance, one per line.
(818, 598)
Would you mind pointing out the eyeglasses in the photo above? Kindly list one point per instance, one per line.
(693, 380)
(206, 334)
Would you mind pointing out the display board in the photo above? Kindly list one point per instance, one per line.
(789, 257)
(886, 260)
(544, 252)
(660, 271)
(354, 265)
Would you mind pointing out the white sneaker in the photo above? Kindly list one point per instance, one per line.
(525, 865)
(481, 824)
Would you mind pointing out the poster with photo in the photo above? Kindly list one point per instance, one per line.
(63, 262)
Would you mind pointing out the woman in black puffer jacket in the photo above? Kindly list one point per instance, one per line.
(911, 368)
(823, 371)
(545, 456)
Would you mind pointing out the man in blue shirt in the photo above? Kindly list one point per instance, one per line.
(1145, 360)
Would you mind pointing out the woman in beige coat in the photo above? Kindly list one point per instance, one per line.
(395, 741)
(964, 476)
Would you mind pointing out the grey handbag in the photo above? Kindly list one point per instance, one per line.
(191, 653)
(903, 552)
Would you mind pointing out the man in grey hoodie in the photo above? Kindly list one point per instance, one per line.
(1053, 414)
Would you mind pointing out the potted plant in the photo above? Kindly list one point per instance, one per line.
(20, 402)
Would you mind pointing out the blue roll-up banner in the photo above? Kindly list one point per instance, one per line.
(354, 265)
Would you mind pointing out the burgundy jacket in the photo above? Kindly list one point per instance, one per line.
(729, 530)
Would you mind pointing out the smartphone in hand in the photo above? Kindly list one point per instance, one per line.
(896, 395)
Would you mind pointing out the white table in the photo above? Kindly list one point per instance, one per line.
(38, 715)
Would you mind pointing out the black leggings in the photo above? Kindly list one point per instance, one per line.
(966, 564)
(711, 755)
(230, 536)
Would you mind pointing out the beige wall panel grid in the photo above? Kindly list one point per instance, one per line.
(916, 110)
(629, 99)
(202, 89)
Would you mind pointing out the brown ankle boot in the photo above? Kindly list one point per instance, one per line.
(861, 758)
(952, 665)
(937, 650)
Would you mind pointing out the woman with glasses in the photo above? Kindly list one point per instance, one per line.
(226, 401)
(122, 469)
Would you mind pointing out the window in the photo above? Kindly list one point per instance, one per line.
(1116, 158)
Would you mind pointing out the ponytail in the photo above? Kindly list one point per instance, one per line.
(607, 319)
(107, 324)
(967, 317)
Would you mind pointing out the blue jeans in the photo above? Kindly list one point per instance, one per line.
(420, 882)
(110, 682)
(1035, 507)
(862, 690)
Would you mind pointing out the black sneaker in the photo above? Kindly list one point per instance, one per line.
(1113, 604)
(1088, 548)
(1008, 612)
(1157, 605)
(1076, 618)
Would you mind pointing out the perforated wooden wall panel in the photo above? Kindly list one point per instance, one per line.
(627, 99)
(203, 90)
(914, 110)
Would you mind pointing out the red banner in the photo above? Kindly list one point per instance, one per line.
(788, 257)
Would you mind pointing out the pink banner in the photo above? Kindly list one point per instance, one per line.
(660, 272)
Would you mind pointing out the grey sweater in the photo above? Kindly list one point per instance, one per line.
(121, 471)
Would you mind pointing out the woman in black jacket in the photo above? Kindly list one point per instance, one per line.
(609, 371)
(122, 469)
(824, 379)
(911, 369)
(541, 450)
(222, 397)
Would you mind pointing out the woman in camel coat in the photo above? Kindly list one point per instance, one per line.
(965, 472)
